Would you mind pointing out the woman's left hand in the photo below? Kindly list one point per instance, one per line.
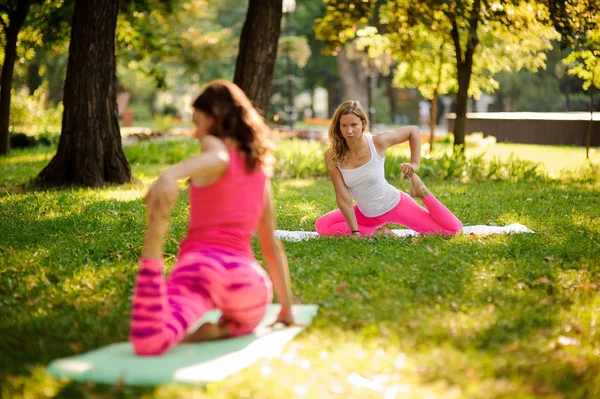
(409, 168)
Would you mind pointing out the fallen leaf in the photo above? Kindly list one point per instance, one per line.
(410, 324)
(588, 287)
(357, 325)
(547, 301)
(578, 364)
(343, 287)
(434, 251)
(75, 347)
(513, 346)
(121, 381)
(303, 219)
(469, 372)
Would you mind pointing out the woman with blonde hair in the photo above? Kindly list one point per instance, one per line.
(355, 161)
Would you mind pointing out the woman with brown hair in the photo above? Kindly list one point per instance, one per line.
(230, 198)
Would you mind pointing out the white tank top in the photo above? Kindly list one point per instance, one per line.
(374, 196)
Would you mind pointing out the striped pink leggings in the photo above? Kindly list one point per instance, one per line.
(201, 280)
(434, 219)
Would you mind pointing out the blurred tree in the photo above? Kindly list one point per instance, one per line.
(573, 19)
(373, 53)
(484, 37)
(194, 43)
(293, 54)
(89, 151)
(428, 44)
(12, 18)
(549, 90)
(321, 69)
(179, 40)
(487, 37)
(584, 62)
(257, 54)
(425, 63)
(338, 28)
(578, 23)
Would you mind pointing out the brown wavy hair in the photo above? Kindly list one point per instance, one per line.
(339, 147)
(236, 119)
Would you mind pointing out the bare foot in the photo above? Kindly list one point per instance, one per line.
(384, 231)
(207, 332)
(417, 187)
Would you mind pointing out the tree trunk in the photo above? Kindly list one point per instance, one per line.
(354, 79)
(257, 54)
(370, 107)
(34, 80)
(588, 139)
(312, 101)
(391, 93)
(465, 68)
(334, 96)
(152, 104)
(16, 20)
(89, 151)
(433, 119)
(462, 101)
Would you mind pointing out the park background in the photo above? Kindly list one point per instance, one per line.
(94, 102)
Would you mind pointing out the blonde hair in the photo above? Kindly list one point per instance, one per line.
(339, 148)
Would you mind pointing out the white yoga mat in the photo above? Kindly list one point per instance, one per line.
(515, 228)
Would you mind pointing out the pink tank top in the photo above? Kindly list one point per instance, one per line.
(225, 214)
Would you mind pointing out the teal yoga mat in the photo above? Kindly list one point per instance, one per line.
(194, 364)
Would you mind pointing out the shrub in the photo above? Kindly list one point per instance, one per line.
(303, 159)
(29, 113)
(300, 158)
(476, 140)
(161, 152)
(164, 123)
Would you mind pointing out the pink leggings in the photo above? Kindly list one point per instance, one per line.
(436, 219)
(201, 280)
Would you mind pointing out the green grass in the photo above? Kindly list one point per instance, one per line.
(553, 159)
(466, 317)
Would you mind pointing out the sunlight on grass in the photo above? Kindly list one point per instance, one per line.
(25, 158)
(583, 221)
(132, 194)
(554, 158)
(301, 183)
(511, 316)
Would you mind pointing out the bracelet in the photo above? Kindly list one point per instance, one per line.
(355, 231)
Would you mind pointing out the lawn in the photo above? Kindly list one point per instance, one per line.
(428, 317)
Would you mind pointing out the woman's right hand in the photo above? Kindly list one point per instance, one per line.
(161, 196)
